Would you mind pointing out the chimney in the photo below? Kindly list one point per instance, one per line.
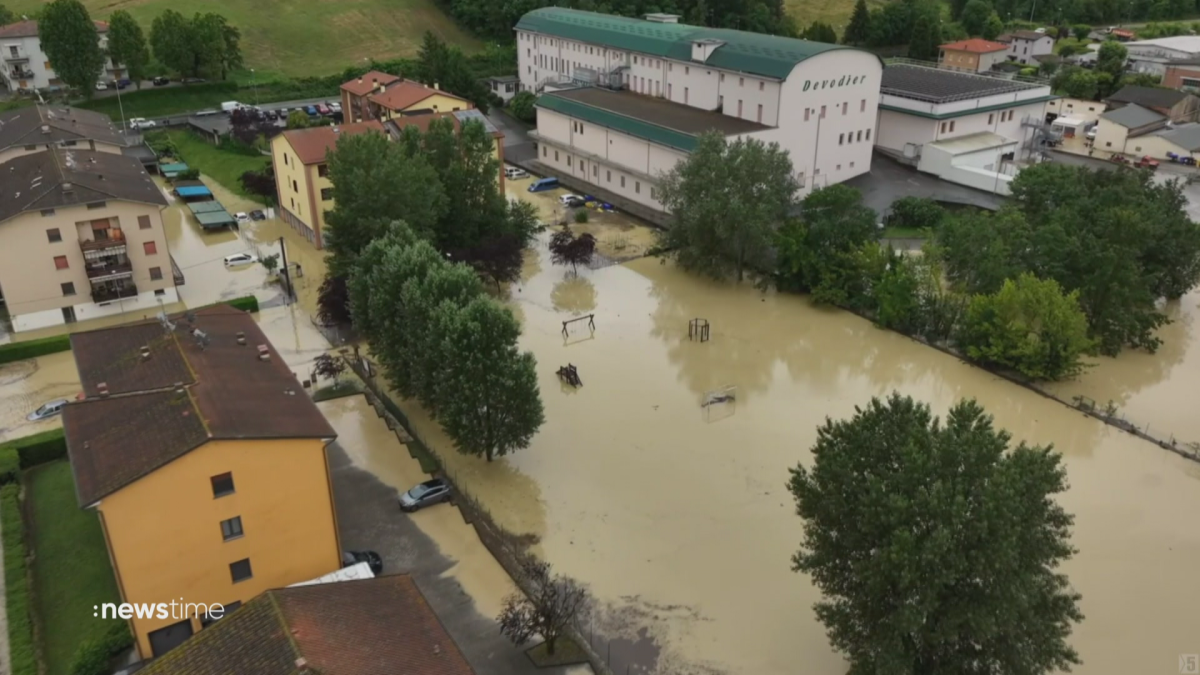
(264, 354)
(45, 128)
(301, 665)
(67, 187)
(102, 389)
(379, 88)
(145, 352)
(241, 338)
(437, 86)
(179, 389)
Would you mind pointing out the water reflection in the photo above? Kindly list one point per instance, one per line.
(575, 294)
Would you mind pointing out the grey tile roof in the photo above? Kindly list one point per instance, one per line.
(57, 178)
(1133, 116)
(42, 124)
(1186, 136)
(1150, 97)
(937, 86)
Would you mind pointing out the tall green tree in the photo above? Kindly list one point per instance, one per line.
(821, 32)
(858, 31)
(936, 546)
(490, 405)
(818, 252)
(1031, 326)
(1076, 82)
(1081, 31)
(992, 28)
(127, 45)
(922, 45)
(975, 16)
(71, 43)
(1110, 60)
(6, 16)
(171, 40)
(446, 67)
(726, 200)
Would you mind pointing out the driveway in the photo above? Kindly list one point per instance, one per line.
(462, 581)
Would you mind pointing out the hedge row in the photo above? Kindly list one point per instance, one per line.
(16, 351)
(35, 449)
(95, 655)
(16, 581)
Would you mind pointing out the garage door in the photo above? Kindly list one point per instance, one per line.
(164, 640)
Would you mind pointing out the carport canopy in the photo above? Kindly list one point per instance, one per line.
(214, 219)
(210, 206)
(194, 191)
(172, 170)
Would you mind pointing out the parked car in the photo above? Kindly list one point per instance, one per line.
(514, 173)
(282, 112)
(335, 107)
(543, 184)
(240, 259)
(311, 110)
(230, 106)
(161, 81)
(242, 217)
(1147, 162)
(142, 123)
(124, 82)
(271, 115)
(257, 215)
(571, 201)
(322, 109)
(101, 86)
(49, 409)
(1091, 133)
(351, 558)
(426, 494)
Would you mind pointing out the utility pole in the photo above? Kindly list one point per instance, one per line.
(291, 289)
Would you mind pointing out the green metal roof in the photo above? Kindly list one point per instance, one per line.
(606, 118)
(755, 53)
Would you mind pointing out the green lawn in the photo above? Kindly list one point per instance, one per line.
(150, 102)
(71, 571)
(905, 233)
(836, 13)
(223, 166)
(305, 37)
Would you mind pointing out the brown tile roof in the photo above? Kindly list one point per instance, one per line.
(30, 29)
(975, 46)
(49, 124)
(311, 145)
(144, 423)
(407, 93)
(370, 80)
(369, 627)
(395, 125)
(56, 178)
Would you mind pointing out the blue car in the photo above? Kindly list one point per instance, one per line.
(544, 184)
(312, 111)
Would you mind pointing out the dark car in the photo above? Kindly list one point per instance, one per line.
(351, 558)
(426, 494)
(257, 215)
(323, 109)
(271, 115)
(311, 110)
(124, 82)
(161, 81)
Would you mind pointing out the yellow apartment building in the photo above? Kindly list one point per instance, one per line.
(205, 461)
(976, 54)
(380, 96)
(81, 237)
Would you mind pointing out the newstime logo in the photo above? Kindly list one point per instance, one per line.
(158, 610)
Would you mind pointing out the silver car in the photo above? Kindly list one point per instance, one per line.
(49, 409)
(426, 494)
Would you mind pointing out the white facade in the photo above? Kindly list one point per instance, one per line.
(1080, 108)
(976, 160)
(823, 113)
(26, 66)
(1022, 47)
(1152, 56)
(147, 302)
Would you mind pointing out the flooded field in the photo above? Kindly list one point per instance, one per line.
(676, 513)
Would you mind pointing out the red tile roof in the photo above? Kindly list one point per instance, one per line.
(161, 407)
(311, 145)
(369, 627)
(407, 93)
(370, 80)
(30, 29)
(975, 46)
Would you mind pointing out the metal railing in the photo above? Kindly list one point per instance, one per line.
(110, 293)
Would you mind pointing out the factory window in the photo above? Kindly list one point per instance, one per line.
(722, 77)
(760, 113)
(822, 112)
(806, 112)
(838, 167)
(685, 94)
(845, 108)
(943, 128)
(687, 70)
(1137, 149)
(595, 170)
(859, 135)
(622, 181)
(556, 155)
(739, 107)
(608, 175)
(760, 85)
(653, 193)
(637, 186)
(568, 160)
(951, 125)
(800, 178)
(670, 67)
(868, 134)
(1108, 145)
(990, 116)
(544, 151)
(862, 106)
(741, 81)
(841, 139)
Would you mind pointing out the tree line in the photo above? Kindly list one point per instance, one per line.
(1075, 264)
(417, 224)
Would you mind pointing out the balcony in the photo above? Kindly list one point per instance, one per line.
(19, 74)
(101, 273)
(98, 249)
(15, 54)
(109, 292)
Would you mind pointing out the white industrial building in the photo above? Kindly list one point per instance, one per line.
(1024, 46)
(972, 129)
(623, 99)
(1153, 56)
(26, 66)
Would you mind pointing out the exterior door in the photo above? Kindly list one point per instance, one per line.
(164, 640)
(68, 314)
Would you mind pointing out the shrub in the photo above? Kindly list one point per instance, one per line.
(581, 216)
(38, 448)
(22, 660)
(95, 655)
(10, 465)
(522, 107)
(916, 213)
(17, 351)
(247, 303)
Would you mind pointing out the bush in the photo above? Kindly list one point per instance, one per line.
(22, 659)
(95, 655)
(38, 448)
(247, 303)
(10, 465)
(581, 216)
(522, 107)
(17, 351)
(916, 213)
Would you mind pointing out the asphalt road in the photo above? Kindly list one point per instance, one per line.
(220, 121)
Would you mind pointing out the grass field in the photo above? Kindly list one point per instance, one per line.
(833, 12)
(71, 572)
(305, 37)
(223, 166)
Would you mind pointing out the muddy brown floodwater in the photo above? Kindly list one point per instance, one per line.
(677, 516)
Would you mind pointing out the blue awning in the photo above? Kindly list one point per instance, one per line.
(194, 191)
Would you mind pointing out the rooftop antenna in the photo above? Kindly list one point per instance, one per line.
(202, 338)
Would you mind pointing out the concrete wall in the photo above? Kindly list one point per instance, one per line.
(1077, 107)
(1110, 137)
(32, 284)
(981, 170)
(282, 495)
(897, 129)
(17, 151)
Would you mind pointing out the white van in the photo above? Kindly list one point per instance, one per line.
(230, 106)
(514, 173)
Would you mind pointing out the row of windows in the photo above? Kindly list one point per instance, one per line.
(222, 486)
(54, 235)
(854, 137)
(844, 105)
(637, 184)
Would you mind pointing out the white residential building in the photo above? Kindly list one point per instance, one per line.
(26, 66)
(1025, 45)
(624, 99)
(965, 128)
(1153, 56)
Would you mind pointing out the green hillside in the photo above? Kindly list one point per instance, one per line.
(305, 37)
(833, 12)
